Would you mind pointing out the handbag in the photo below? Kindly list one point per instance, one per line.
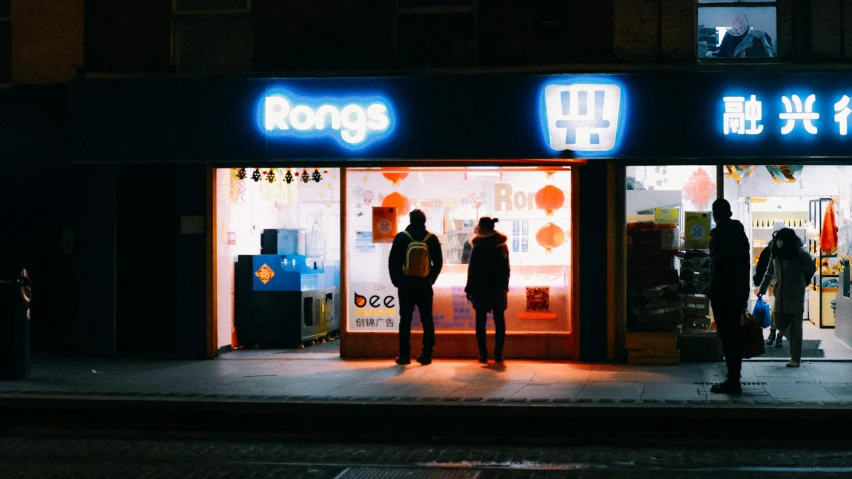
(751, 336)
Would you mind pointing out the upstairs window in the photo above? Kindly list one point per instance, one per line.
(739, 29)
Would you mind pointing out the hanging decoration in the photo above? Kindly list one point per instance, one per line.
(256, 175)
(270, 175)
(738, 172)
(317, 177)
(305, 176)
(699, 189)
(396, 176)
(288, 177)
(241, 173)
(784, 173)
(398, 200)
(238, 189)
(549, 198)
(550, 236)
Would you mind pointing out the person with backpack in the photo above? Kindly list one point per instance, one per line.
(488, 284)
(791, 268)
(414, 264)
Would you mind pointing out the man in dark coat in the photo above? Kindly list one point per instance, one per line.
(488, 284)
(415, 290)
(729, 289)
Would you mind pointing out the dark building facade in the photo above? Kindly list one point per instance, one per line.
(128, 276)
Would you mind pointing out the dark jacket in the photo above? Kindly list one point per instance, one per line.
(488, 272)
(396, 260)
(762, 264)
(730, 266)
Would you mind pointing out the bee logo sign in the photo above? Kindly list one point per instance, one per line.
(375, 308)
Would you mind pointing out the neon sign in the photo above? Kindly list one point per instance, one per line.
(354, 121)
(583, 117)
(797, 113)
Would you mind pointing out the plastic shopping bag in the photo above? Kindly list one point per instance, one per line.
(762, 313)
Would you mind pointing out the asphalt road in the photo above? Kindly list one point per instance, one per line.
(58, 453)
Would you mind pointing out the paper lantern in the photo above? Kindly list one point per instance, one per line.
(550, 236)
(549, 198)
(398, 200)
(396, 175)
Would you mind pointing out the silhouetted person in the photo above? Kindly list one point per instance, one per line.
(759, 271)
(729, 288)
(488, 284)
(791, 267)
(414, 264)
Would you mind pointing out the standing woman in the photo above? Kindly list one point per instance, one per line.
(488, 284)
(791, 267)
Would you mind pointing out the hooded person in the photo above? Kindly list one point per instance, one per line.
(730, 268)
(488, 284)
(791, 269)
(759, 272)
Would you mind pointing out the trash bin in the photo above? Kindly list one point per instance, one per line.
(15, 296)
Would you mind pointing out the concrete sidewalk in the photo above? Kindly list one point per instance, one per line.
(311, 376)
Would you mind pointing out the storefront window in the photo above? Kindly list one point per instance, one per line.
(737, 29)
(668, 233)
(533, 208)
(278, 255)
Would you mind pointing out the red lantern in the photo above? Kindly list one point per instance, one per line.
(550, 236)
(398, 200)
(549, 198)
(395, 175)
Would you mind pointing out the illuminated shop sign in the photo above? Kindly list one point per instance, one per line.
(583, 116)
(352, 121)
(787, 114)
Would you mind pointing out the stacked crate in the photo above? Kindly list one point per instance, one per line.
(695, 280)
(655, 301)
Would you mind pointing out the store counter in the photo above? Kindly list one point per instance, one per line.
(284, 301)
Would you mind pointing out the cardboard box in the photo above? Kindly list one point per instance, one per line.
(650, 341)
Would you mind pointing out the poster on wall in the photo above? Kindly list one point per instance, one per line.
(697, 230)
(384, 224)
(374, 308)
(667, 216)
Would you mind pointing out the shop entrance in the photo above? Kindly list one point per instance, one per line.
(668, 216)
(277, 257)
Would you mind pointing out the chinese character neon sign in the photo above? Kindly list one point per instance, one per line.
(746, 117)
(583, 116)
(354, 121)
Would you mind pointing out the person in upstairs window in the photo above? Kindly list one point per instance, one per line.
(488, 284)
(744, 41)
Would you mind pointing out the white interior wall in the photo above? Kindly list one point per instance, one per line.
(245, 208)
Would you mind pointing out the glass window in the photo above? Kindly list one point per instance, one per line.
(453, 199)
(737, 29)
(278, 245)
(668, 233)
